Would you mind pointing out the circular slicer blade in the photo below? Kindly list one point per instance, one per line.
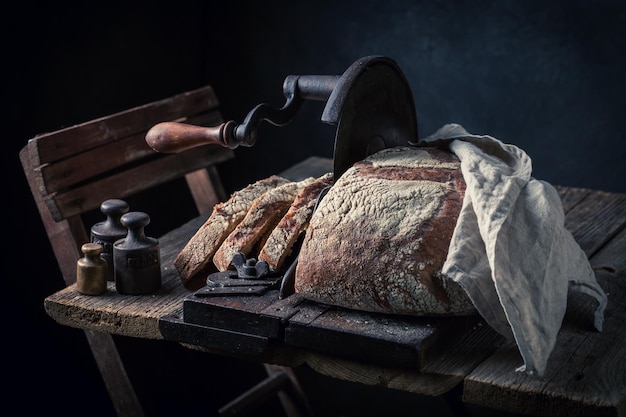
(372, 106)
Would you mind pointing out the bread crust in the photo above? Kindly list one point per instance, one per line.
(380, 236)
(194, 260)
(280, 242)
(262, 216)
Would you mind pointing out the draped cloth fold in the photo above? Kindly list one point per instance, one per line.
(510, 250)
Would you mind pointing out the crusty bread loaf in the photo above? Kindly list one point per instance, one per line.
(379, 238)
(280, 242)
(263, 215)
(195, 258)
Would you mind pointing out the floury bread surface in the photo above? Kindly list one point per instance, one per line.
(197, 255)
(380, 236)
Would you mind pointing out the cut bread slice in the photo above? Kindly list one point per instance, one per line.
(262, 217)
(279, 245)
(195, 258)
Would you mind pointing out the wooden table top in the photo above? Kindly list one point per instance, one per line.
(586, 373)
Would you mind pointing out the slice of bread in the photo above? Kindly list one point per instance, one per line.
(280, 243)
(194, 260)
(261, 218)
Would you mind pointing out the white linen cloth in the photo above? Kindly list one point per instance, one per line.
(510, 250)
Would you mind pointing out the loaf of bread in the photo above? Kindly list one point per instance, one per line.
(195, 260)
(262, 216)
(280, 244)
(379, 238)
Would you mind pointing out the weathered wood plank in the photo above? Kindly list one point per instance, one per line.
(206, 188)
(91, 163)
(612, 258)
(229, 343)
(401, 341)
(55, 146)
(570, 197)
(237, 313)
(381, 376)
(133, 180)
(586, 373)
(461, 354)
(596, 219)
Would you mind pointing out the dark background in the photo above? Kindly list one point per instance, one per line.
(546, 76)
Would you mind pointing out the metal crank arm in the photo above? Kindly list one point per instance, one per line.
(174, 137)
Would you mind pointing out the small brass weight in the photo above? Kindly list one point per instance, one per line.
(91, 270)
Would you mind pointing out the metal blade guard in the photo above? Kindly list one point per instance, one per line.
(371, 104)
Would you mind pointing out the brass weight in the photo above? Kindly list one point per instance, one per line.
(91, 270)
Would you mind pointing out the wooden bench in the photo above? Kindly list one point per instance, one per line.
(585, 375)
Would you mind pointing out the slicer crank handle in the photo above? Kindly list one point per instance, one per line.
(174, 137)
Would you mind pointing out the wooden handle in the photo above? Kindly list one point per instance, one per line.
(173, 137)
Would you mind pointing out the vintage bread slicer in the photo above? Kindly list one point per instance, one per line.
(371, 104)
